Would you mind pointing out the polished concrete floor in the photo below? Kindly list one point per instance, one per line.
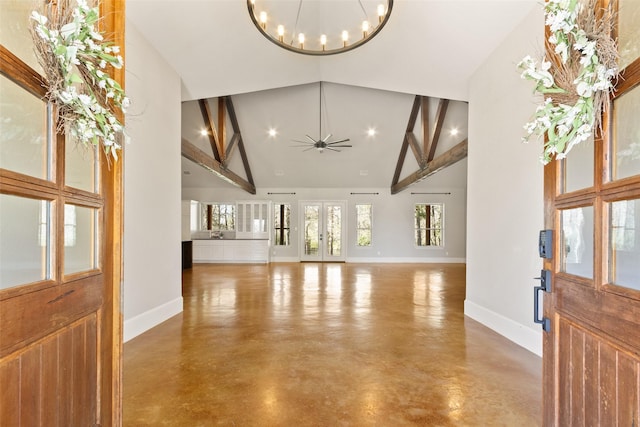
(327, 345)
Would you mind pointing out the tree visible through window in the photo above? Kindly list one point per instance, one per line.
(363, 224)
(428, 224)
(281, 224)
(219, 216)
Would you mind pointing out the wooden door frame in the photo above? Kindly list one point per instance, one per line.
(113, 23)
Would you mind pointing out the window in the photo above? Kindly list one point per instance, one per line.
(428, 224)
(363, 224)
(281, 224)
(219, 216)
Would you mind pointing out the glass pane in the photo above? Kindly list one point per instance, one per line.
(311, 233)
(624, 243)
(626, 135)
(23, 131)
(14, 30)
(578, 167)
(334, 230)
(577, 241)
(25, 229)
(80, 244)
(281, 224)
(628, 31)
(80, 165)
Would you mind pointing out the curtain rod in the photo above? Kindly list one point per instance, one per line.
(292, 194)
(375, 194)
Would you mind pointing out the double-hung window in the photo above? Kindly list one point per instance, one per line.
(429, 224)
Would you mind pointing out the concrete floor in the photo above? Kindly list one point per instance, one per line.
(306, 344)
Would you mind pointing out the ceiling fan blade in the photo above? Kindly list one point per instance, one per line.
(326, 138)
(332, 149)
(311, 139)
(340, 146)
(303, 142)
(310, 148)
(338, 142)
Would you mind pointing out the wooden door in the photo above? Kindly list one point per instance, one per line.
(60, 228)
(592, 202)
(323, 236)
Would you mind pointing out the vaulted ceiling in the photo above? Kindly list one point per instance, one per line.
(428, 48)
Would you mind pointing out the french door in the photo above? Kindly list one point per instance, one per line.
(323, 236)
(60, 262)
(592, 202)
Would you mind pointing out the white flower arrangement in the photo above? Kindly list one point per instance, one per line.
(577, 82)
(75, 59)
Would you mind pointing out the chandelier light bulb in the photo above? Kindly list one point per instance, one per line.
(323, 41)
(380, 12)
(281, 33)
(301, 40)
(263, 19)
(345, 38)
(365, 28)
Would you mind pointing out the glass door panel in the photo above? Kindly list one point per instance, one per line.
(311, 230)
(577, 241)
(14, 30)
(80, 166)
(626, 135)
(628, 32)
(24, 146)
(80, 243)
(577, 168)
(624, 243)
(25, 240)
(333, 215)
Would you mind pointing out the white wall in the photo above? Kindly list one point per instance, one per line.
(393, 222)
(152, 254)
(505, 191)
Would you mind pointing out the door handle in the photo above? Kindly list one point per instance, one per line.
(545, 285)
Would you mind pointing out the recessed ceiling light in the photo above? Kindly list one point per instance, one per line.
(453, 131)
(272, 132)
(204, 132)
(371, 132)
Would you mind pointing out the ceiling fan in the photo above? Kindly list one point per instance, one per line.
(325, 143)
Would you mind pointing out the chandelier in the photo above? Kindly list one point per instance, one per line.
(319, 27)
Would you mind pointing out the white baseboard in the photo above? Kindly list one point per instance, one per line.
(386, 260)
(147, 320)
(421, 260)
(285, 259)
(514, 331)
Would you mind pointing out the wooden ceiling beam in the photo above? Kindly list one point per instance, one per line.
(211, 128)
(448, 158)
(199, 157)
(401, 157)
(222, 129)
(426, 141)
(415, 147)
(437, 128)
(414, 113)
